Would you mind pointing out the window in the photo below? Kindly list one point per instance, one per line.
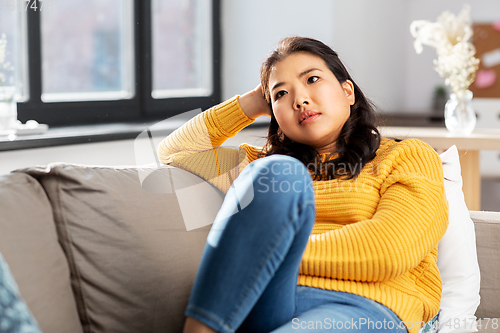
(101, 61)
(181, 27)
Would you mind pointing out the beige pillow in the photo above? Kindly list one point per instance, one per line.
(133, 262)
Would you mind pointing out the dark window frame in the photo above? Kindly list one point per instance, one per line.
(142, 107)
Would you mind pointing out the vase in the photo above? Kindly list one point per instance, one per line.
(8, 117)
(459, 116)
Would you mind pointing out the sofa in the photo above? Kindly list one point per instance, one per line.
(116, 249)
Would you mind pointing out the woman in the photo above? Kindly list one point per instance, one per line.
(326, 227)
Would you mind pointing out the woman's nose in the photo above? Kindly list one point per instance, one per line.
(301, 99)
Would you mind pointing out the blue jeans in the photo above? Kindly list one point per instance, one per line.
(247, 278)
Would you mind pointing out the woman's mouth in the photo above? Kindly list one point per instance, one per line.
(308, 116)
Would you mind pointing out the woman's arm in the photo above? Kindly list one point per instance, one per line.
(411, 218)
(195, 146)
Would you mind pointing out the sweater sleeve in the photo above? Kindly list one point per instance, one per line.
(411, 218)
(195, 146)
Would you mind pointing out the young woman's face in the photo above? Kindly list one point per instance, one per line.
(309, 103)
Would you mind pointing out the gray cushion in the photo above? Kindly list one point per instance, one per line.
(487, 225)
(28, 241)
(132, 260)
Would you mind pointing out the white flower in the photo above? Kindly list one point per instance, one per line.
(450, 36)
(5, 67)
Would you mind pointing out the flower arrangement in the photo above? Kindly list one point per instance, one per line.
(450, 36)
(6, 81)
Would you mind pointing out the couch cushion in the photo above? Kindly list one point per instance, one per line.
(487, 225)
(133, 262)
(28, 241)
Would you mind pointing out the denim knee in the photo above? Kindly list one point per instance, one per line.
(282, 184)
(281, 174)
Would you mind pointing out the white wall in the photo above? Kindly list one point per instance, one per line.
(368, 36)
(251, 30)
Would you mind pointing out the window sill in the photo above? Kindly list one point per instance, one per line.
(71, 135)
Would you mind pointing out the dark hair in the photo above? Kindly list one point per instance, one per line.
(358, 140)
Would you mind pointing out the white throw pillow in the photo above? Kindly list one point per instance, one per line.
(457, 256)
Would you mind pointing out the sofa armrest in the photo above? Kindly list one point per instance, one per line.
(487, 227)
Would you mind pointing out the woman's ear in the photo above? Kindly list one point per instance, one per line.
(348, 87)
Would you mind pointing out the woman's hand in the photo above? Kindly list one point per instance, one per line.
(254, 104)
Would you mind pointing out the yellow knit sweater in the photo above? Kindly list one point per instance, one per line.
(374, 236)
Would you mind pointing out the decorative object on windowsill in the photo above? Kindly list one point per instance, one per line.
(450, 36)
(439, 99)
(9, 125)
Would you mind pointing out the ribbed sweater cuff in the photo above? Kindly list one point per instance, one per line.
(230, 116)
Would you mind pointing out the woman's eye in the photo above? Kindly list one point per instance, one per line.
(312, 79)
(279, 94)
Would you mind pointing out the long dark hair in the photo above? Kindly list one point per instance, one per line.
(358, 140)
